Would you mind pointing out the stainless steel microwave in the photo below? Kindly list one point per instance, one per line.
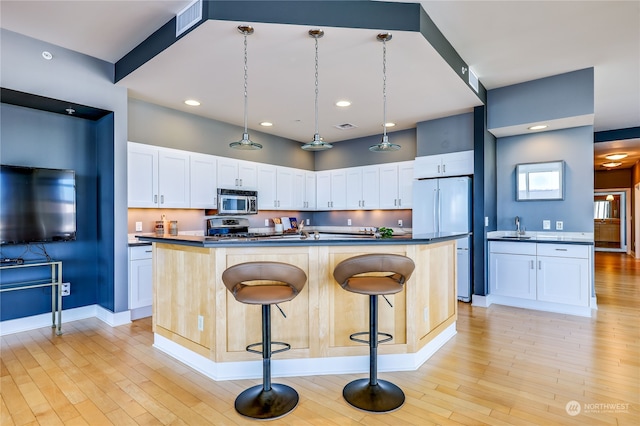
(236, 201)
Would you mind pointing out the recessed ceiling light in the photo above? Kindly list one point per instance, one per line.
(266, 124)
(47, 55)
(611, 164)
(343, 103)
(538, 127)
(617, 156)
(192, 102)
(390, 124)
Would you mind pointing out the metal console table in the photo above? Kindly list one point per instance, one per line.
(55, 283)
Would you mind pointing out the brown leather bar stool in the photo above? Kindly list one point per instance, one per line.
(273, 283)
(373, 395)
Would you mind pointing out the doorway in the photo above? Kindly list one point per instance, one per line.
(610, 220)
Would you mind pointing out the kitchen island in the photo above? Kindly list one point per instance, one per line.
(196, 320)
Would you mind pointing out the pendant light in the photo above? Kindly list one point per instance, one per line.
(317, 144)
(385, 145)
(245, 143)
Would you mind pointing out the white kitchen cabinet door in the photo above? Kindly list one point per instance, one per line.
(310, 202)
(450, 164)
(236, 174)
(140, 277)
(563, 280)
(389, 186)
(284, 188)
(512, 275)
(267, 187)
(353, 178)
(248, 174)
(405, 185)
(173, 179)
(323, 190)
(339, 189)
(370, 188)
(203, 170)
(298, 190)
(142, 179)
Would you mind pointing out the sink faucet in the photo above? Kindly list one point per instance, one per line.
(303, 234)
(518, 225)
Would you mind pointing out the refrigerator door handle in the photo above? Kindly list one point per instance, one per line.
(439, 210)
(435, 206)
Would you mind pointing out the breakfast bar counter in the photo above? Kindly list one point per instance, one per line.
(196, 320)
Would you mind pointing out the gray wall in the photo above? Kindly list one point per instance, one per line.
(81, 79)
(156, 125)
(575, 147)
(556, 97)
(444, 135)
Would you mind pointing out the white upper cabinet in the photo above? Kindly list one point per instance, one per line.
(310, 190)
(396, 185)
(331, 189)
(276, 187)
(237, 174)
(157, 177)
(363, 188)
(450, 164)
(204, 186)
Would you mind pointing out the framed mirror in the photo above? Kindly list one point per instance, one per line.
(540, 181)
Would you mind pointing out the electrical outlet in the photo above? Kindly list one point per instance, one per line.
(66, 289)
(200, 323)
(138, 226)
(266, 222)
(308, 221)
(486, 221)
(399, 222)
(349, 222)
(559, 225)
(546, 224)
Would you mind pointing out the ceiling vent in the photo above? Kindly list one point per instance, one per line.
(345, 126)
(188, 17)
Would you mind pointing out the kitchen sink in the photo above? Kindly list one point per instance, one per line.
(515, 237)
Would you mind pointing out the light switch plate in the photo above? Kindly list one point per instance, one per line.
(349, 222)
(138, 226)
(546, 224)
(559, 225)
(486, 221)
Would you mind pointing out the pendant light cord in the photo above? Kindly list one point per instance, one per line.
(316, 75)
(245, 84)
(384, 87)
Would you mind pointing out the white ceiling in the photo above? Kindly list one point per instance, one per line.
(504, 42)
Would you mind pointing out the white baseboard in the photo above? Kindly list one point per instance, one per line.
(220, 371)
(43, 320)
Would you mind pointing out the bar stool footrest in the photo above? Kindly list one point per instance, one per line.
(285, 348)
(382, 397)
(257, 403)
(388, 337)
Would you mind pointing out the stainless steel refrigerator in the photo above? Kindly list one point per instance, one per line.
(442, 206)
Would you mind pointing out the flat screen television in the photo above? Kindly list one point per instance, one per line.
(37, 205)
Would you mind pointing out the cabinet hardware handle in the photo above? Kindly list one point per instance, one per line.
(162, 199)
(531, 262)
(395, 202)
(399, 202)
(539, 264)
(148, 251)
(155, 198)
(561, 249)
(438, 168)
(240, 182)
(444, 168)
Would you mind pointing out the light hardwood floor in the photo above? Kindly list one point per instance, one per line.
(505, 366)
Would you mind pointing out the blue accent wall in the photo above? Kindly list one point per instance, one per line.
(575, 147)
(444, 135)
(43, 139)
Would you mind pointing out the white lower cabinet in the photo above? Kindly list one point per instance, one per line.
(140, 281)
(549, 274)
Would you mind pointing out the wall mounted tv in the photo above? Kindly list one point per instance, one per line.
(37, 205)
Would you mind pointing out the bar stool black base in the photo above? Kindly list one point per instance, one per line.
(380, 398)
(257, 403)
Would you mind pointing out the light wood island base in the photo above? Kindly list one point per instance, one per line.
(196, 320)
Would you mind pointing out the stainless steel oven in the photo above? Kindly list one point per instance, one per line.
(237, 202)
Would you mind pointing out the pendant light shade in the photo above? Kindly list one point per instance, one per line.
(317, 144)
(385, 145)
(245, 143)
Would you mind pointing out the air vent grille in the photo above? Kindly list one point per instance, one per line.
(188, 17)
(345, 126)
